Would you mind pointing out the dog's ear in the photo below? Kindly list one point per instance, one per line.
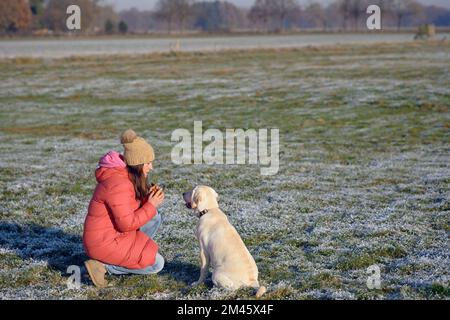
(195, 197)
(199, 201)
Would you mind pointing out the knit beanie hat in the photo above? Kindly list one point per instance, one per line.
(136, 149)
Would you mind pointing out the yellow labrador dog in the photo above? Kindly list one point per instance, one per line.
(220, 244)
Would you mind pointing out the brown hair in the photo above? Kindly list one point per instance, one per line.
(139, 180)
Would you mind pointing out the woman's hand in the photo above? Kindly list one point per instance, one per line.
(156, 196)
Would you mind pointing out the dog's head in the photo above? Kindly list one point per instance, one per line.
(201, 198)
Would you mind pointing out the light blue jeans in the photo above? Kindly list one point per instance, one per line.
(149, 229)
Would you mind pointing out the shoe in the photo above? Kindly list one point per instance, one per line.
(97, 273)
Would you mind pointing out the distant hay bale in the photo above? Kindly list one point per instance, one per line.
(175, 47)
(426, 31)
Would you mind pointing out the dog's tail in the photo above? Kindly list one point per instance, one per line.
(260, 290)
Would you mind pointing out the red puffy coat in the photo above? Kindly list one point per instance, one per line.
(111, 229)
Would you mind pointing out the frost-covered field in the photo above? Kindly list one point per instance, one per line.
(364, 167)
(66, 47)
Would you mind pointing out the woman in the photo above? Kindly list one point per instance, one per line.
(122, 218)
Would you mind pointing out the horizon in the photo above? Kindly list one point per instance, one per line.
(149, 4)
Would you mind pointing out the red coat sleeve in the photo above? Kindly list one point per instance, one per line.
(120, 201)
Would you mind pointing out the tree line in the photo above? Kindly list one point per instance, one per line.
(49, 16)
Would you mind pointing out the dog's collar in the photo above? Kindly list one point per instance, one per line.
(202, 213)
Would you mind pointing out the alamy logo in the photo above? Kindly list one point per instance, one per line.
(374, 278)
(227, 148)
(374, 21)
(73, 22)
(74, 281)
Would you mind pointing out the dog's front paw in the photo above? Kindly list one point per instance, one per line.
(196, 283)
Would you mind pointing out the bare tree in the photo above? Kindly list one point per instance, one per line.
(357, 10)
(217, 16)
(351, 12)
(344, 10)
(259, 13)
(233, 17)
(174, 11)
(102, 15)
(283, 9)
(273, 14)
(315, 16)
(403, 9)
(138, 21)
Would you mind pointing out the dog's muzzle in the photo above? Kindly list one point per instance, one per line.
(188, 205)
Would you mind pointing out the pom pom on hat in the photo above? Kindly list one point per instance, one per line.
(136, 149)
(128, 136)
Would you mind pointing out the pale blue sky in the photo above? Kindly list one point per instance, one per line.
(148, 4)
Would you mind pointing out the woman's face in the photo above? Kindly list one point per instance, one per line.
(147, 168)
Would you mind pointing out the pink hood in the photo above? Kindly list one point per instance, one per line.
(112, 159)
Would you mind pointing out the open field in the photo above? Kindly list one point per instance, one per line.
(85, 46)
(364, 166)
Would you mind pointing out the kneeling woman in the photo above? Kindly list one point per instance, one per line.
(122, 218)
